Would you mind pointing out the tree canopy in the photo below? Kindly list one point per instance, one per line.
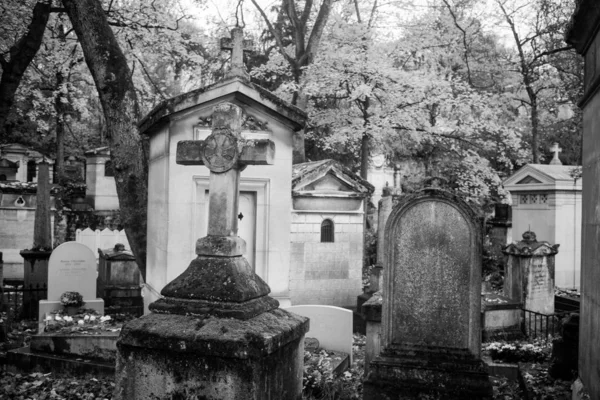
(469, 91)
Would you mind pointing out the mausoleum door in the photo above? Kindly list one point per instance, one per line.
(246, 224)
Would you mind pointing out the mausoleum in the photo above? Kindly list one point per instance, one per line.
(546, 199)
(327, 233)
(178, 194)
(20, 163)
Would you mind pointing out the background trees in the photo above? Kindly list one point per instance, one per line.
(470, 91)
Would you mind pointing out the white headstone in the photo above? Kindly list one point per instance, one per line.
(331, 326)
(72, 267)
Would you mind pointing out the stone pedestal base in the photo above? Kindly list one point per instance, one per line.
(412, 372)
(167, 356)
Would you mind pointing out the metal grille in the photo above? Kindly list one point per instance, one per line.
(327, 231)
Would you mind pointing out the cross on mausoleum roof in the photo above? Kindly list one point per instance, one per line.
(238, 46)
(555, 149)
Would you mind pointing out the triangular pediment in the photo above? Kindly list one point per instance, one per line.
(328, 176)
(234, 90)
(6, 163)
(528, 179)
(543, 177)
(329, 182)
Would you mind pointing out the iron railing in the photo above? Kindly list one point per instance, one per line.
(538, 325)
(20, 302)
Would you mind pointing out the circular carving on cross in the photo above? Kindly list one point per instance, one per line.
(221, 151)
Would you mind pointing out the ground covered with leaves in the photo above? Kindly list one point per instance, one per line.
(38, 386)
(318, 383)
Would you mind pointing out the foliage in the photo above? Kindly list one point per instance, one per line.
(519, 352)
(38, 386)
(319, 383)
(71, 299)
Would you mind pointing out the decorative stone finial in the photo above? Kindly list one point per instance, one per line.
(529, 237)
(119, 247)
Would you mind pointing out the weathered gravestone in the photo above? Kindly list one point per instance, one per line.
(431, 334)
(71, 268)
(530, 273)
(216, 334)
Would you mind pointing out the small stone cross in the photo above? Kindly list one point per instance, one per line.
(238, 46)
(555, 149)
(225, 153)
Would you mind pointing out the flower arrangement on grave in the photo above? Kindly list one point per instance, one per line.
(87, 322)
(537, 351)
(71, 301)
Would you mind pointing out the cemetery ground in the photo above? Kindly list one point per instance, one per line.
(533, 358)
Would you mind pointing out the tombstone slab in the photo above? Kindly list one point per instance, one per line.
(431, 328)
(530, 273)
(331, 326)
(71, 268)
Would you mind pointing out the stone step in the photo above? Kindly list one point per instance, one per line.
(101, 347)
(23, 360)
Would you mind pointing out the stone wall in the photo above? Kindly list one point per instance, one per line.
(326, 273)
(585, 37)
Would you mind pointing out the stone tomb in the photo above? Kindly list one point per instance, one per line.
(215, 334)
(178, 195)
(546, 199)
(431, 327)
(530, 273)
(71, 268)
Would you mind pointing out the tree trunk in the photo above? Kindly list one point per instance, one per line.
(364, 156)
(112, 77)
(535, 145)
(42, 239)
(21, 55)
(59, 107)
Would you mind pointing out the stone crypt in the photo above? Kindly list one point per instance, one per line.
(178, 195)
(215, 333)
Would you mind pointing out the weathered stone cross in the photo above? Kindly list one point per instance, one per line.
(225, 153)
(238, 46)
(556, 149)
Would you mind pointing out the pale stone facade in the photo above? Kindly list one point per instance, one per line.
(20, 163)
(18, 177)
(584, 35)
(546, 199)
(326, 273)
(327, 270)
(178, 194)
(101, 189)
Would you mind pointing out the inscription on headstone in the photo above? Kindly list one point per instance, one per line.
(72, 267)
(431, 328)
(530, 273)
(430, 272)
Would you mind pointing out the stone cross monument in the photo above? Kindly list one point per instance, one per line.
(238, 46)
(215, 333)
(555, 149)
(225, 153)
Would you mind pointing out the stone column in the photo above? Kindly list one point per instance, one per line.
(529, 276)
(35, 275)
